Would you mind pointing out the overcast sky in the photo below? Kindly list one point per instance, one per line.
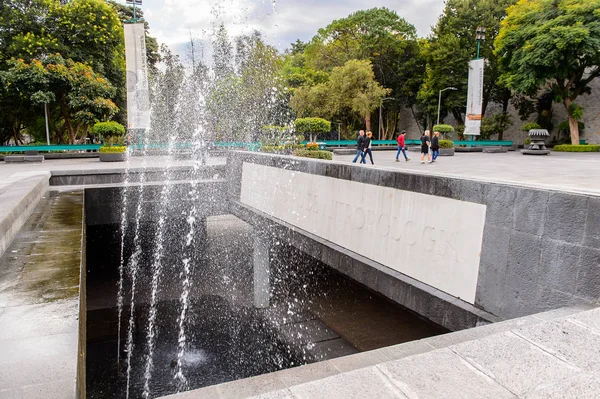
(280, 21)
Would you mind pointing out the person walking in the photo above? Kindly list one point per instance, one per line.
(435, 146)
(367, 150)
(425, 144)
(401, 146)
(360, 145)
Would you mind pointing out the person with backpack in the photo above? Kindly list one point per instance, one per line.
(401, 146)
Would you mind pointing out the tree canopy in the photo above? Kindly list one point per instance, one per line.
(68, 55)
(552, 43)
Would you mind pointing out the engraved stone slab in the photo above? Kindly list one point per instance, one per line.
(432, 239)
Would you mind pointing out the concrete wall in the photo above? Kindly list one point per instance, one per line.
(104, 204)
(540, 248)
(17, 203)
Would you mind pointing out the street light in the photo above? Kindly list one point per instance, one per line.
(339, 128)
(440, 101)
(479, 37)
(380, 113)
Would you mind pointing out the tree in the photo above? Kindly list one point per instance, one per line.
(353, 87)
(552, 43)
(65, 44)
(450, 49)
(312, 126)
(167, 91)
(82, 96)
(382, 37)
(222, 53)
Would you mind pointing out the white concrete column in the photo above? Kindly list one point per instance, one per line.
(262, 266)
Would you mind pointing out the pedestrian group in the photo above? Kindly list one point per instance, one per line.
(430, 147)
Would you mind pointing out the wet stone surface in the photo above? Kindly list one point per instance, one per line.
(39, 300)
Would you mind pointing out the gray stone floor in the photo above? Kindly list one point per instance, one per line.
(39, 302)
(550, 355)
(558, 171)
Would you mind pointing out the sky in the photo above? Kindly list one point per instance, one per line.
(280, 21)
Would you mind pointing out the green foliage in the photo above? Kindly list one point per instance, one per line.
(276, 135)
(450, 49)
(285, 149)
(446, 143)
(577, 148)
(377, 35)
(108, 129)
(312, 126)
(565, 127)
(245, 97)
(530, 126)
(69, 55)
(552, 41)
(314, 154)
(444, 129)
(113, 149)
(496, 125)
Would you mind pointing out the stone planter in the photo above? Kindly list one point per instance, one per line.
(538, 142)
(446, 152)
(113, 156)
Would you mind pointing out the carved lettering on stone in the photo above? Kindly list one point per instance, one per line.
(432, 239)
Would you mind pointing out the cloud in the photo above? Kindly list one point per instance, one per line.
(280, 21)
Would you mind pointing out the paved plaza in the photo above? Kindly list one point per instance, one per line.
(559, 171)
(574, 172)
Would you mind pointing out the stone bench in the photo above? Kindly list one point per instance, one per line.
(23, 158)
(495, 150)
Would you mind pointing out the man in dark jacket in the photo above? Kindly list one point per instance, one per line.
(360, 145)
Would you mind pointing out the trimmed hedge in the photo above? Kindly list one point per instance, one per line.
(312, 125)
(577, 148)
(314, 154)
(444, 129)
(446, 143)
(113, 149)
(108, 129)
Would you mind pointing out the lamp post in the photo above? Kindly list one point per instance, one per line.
(381, 114)
(479, 37)
(440, 101)
(339, 129)
(134, 3)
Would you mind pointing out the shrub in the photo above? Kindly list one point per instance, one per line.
(446, 143)
(312, 126)
(443, 128)
(113, 149)
(109, 130)
(528, 126)
(314, 154)
(577, 148)
(312, 146)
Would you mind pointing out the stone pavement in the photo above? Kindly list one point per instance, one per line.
(549, 355)
(575, 172)
(39, 302)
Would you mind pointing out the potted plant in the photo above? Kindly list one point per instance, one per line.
(446, 147)
(113, 149)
